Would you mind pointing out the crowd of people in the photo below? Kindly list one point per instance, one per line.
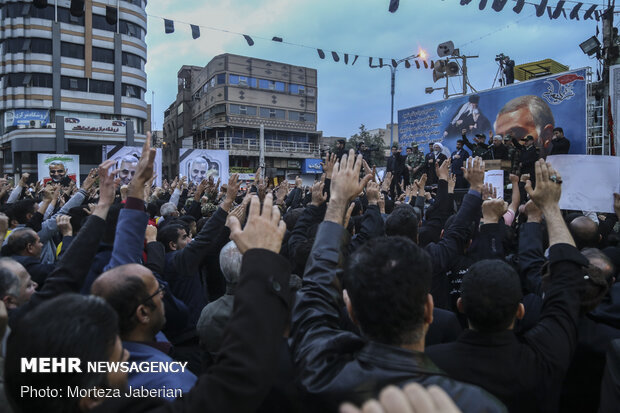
(343, 296)
(521, 154)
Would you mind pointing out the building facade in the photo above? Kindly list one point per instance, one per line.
(223, 105)
(71, 80)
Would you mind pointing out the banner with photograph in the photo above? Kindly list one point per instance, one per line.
(127, 158)
(533, 107)
(199, 164)
(58, 168)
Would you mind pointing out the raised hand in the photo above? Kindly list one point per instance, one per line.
(231, 191)
(144, 170)
(345, 186)
(107, 188)
(64, 225)
(443, 171)
(474, 173)
(548, 187)
(263, 230)
(150, 235)
(90, 179)
(372, 193)
(318, 196)
(489, 191)
(493, 210)
(328, 165)
(451, 183)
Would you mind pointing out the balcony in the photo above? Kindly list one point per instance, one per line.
(280, 149)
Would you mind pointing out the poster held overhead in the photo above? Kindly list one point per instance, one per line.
(58, 168)
(588, 181)
(199, 164)
(127, 158)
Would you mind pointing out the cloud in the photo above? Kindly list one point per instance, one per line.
(351, 95)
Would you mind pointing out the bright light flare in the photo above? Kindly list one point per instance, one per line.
(422, 54)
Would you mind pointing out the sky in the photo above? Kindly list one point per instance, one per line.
(349, 96)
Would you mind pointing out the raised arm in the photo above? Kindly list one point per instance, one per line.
(554, 338)
(73, 266)
(317, 311)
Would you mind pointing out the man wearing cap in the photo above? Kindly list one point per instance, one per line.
(459, 158)
(414, 163)
(528, 155)
(478, 148)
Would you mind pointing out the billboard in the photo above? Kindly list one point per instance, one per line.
(24, 116)
(95, 125)
(57, 167)
(127, 158)
(532, 108)
(199, 164)
(312, 166)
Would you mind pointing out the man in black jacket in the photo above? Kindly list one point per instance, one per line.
(390, 304)
(560, 145)
(526, 373)
(396, 165)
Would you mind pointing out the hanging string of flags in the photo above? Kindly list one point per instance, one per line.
(373, 62)
(554, 12)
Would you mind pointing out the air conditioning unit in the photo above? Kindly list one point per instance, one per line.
(35, 124)
(51, 126)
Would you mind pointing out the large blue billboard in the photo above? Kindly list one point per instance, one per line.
(533, 107)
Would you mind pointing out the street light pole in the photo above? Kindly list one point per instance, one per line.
(392, 88)
(393, 77)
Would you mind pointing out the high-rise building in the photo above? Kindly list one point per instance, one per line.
(224, 104)
(71, 79)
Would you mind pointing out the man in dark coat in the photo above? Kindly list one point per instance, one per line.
(396, 165)
(491, 300)
(560, 145)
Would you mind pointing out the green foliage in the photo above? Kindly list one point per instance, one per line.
(372, 141)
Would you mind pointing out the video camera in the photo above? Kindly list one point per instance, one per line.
(500, 57)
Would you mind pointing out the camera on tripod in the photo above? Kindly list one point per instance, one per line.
(500, 57)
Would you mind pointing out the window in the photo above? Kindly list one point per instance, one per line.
(41, 46)
(180, 132)
(72, 50)
(135, 2)
(42, 80)
(301, 116)
(271, 85)
(103, 55)
(132, 60)
(272, 113)
(132, 91)
(241, 80)
(130, 29)
(99, 22)
(73, 83)
(297, 89)
(65, 16)
(242, 110)
(101, 86)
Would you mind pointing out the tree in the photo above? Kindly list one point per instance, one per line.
(373, 141)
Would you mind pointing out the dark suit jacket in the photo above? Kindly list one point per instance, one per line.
(559, 146)
(525, 372)
(250, 352)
